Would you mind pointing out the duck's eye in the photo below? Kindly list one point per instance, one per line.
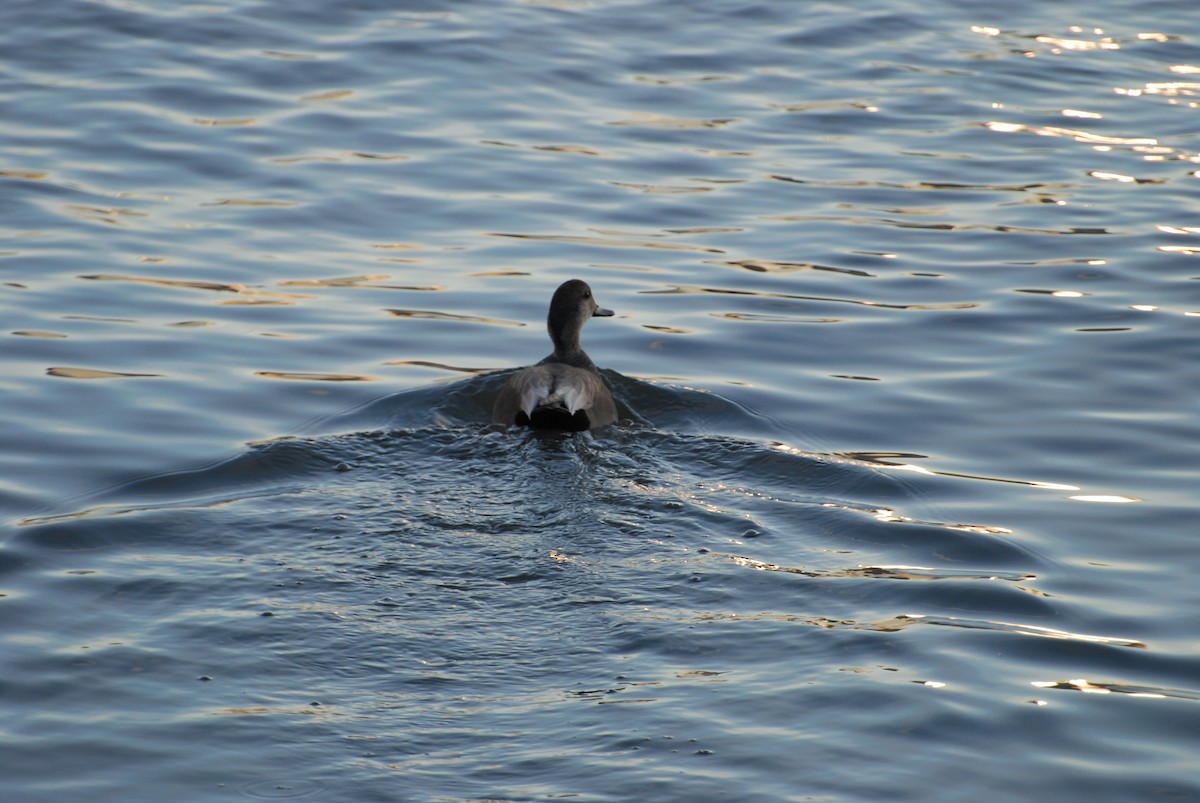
(587, 295)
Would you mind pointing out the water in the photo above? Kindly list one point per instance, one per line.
(902, 505)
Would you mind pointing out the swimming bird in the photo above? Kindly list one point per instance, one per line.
(565, 390)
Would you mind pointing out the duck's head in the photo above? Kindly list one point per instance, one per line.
(570, 309)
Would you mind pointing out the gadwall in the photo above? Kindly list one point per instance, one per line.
(564, 391)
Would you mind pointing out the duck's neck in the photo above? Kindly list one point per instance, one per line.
(566, 345)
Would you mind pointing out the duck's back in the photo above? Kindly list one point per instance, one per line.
(553, 395)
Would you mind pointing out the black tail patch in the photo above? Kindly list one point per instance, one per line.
(555, 418)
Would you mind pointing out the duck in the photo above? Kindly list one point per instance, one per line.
(564, 391)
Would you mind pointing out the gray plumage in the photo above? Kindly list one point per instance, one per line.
(565, 390)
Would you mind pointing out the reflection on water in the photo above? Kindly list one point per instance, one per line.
(314, 377)
(613, 241)
(803, 550)
(446, 316)
(193, 285)
(89, 373)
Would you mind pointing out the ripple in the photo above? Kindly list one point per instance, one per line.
(91, 373)
(440, 366)
(1124, 179)
(693, 289)
(37, 333)
(24, 175)
(660, 189)
(250, 202)
(112, 215)
(448, 316)
(943, 226)
(754, 317)
(333, 94)
(608, 242)
(888, 460)
(283, 789)
(309, 376)
(218, 287)
(658, 80)
(1077, 135)
(924, 186)
(1096, 687)
(771, 266)
(366, 281)
(883, 572)
(289, 56)
(649, 120)
(734, 553)
(575, 150)
(906, 620)
(223, 122)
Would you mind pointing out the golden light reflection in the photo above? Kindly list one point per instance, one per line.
(1059, 44)
(1078, 684)
(1089, 687)
(577, 150)
(606, 242)
(884, 461)
(683, 289)
(111, 215)
(379, 157)
(249, 202)
(287, 55)
(447, 316)
(1056, 293)
(675, 81)
(649, 120)
(27, 175)
(220, 287)
(333, 94)
(936, 186)
(912, 467)
(659, 189)
(580, 150)
(90, 373)
(1121, 177)
(912, 573)
(772, 266)
(1105, 499)
(255, 302)
(227, 121)
(360, 281)
(1168, 88)
(1076, 134)
(1008, 627)
(306, 376)
(824, 105)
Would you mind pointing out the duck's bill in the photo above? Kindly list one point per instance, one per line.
(602, 313)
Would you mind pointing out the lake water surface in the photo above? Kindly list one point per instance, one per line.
(902, 504)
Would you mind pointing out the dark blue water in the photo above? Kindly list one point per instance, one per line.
(902, 501)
